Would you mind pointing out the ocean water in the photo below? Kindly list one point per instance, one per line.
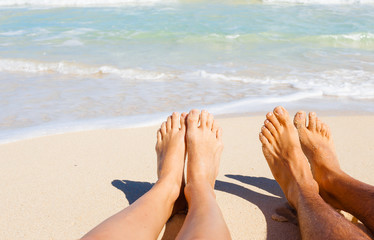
(70, 65)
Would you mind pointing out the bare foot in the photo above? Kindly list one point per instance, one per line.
(171, 153)
(282, 150)
(317, 144)
(204, 148)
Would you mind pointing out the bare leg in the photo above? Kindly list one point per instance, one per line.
(335, 186)
(145, 218)
(282, 150)
(204, 146)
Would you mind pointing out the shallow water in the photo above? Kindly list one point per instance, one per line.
(86, 64)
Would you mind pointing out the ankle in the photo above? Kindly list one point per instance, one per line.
(198, 191)
(300, 191)
(305, 194)
(330, 178)
(172, 188)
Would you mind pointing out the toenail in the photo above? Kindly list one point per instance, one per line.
(313, 113)
(279, 110)
(269, 114)
(267, 121)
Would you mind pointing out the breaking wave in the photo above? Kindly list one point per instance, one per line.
(90, 3)
(68, 68)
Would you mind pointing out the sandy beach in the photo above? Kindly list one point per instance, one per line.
(60, 186)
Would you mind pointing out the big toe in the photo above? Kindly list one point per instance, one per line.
(282, 115)
(300, 120)
(193, 118)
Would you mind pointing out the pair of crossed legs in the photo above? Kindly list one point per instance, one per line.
(312, 188)
(198, 136)
(287, 147)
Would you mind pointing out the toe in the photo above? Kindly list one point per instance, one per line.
(215, 126)
(271, 128)
(328, 132)
(267, 134)
(175, 120)
(281, 114)
(163, 128)
(209, 122)
(203, 118)
(183, 121)
(318, 125)
(323, 130)
(168, 124)
(219, 134)
(159, 136)
(271, 117)
(300, 120)
(193, 118)
(312, 121)
(263, 139)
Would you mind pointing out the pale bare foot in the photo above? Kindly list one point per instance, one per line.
(317, 144)
(204, 148)
(282, 150)
(171, 155)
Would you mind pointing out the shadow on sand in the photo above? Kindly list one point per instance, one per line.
(267, 204)
(134, 190)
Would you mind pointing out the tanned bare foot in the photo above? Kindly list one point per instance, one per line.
(317, 144)
(204, 148)
(171, 155)
(282, 150)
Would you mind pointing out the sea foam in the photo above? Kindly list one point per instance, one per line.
(78, 3)
(351, 83)
(321, 1)
(90, 3)
(88, 68)
(69, 68)
(12, 33)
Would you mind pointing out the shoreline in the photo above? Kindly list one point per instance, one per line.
(134, 122)
(71, 182)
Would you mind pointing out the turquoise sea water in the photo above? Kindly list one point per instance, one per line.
(73, 65)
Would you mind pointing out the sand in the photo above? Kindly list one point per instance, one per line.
(59, 187)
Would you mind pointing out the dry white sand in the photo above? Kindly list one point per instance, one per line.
(59, 187)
